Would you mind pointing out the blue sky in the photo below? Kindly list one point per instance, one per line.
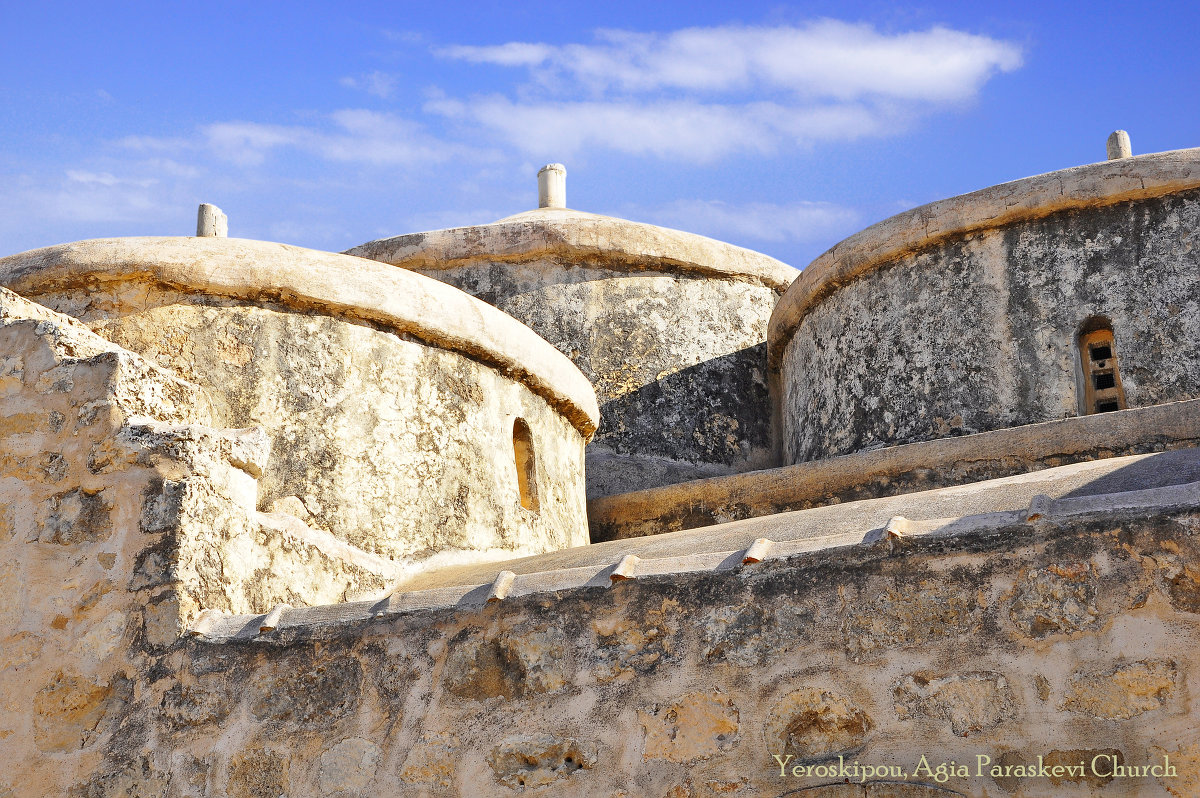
(783, 127)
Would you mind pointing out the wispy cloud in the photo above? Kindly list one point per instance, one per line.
(348, 136)
(754, 221)
(379, 84)
(706, 93)
(670, 129)
(825, 58)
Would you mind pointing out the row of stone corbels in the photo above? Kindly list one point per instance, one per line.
(896, 535)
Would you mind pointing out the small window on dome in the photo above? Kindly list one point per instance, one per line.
(1102, 391)
(526, 465)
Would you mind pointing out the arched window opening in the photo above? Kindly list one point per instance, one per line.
(526, 465)
(1102, 391)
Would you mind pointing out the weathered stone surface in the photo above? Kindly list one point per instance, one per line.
(403, 388)
(538, 760)
(137, 779)
(629, 644)
(1122, 691)
(812, 724)
(348, 767)
(207, 701)
(911, 613)
(696, 726)
(312, 692)
(1187, 760)
(521, 662)
(972, 702)
(1055, 600)
(1080, 761)
(259, 773)
(668, 326)
(357, 417)
(977, 330)
(68, 710)
(431, 761)
(741, 635)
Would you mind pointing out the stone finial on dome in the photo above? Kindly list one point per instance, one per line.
(1119, 146)
(211, 222)
(552, 186)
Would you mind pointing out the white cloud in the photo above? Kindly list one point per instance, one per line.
(701, 94)
(669, 129)
(825, 58)
(754, 221)
(347, 136)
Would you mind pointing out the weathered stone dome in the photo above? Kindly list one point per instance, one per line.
(405, 416)
(1045, 298)
(669, 326)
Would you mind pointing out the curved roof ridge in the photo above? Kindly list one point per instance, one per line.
(577, 235)
(1089, 186)
(338, 285)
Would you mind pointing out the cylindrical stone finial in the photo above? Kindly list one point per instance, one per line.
(552, 186)
(212, 222)
(1119, 146)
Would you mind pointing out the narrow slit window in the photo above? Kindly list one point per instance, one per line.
(1102, 391)
(526, 463)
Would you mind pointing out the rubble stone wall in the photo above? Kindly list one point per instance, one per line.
(122, 516)
(1045, 643)
(678, 362)
(964, 316)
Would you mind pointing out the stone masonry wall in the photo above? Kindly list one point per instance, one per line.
(678, 362)
(122, 516)
(979, 332)
(1039, 644)
(394, 446)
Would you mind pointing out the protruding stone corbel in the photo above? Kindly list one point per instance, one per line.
(897, 527)
(626, 568)
(270, 621)
(1039, 506)
(205, 622)
(501, 587)
(758, 551)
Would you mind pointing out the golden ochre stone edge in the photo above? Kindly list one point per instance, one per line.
(332, 284)
(574, 236)
(1090, 186)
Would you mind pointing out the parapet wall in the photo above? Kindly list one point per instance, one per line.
(1013, 640)
(964, 315)
(668, 326)
(391, 401)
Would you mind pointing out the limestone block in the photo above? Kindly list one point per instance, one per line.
(517, 663)
(972, 702)
(1123, 690)
(348, 766)
(540, 760)
(431, 761)
(812, 724)
(308, 690)
(1055, 600)
(696, 726)
(68, 710)
(259, 773)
